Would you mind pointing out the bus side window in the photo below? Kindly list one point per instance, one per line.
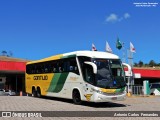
(57, 66)
(60, 69)
(66, 66)
(46, 70)
(29, 69)
(54, 69)
(42, 68)
(46, 67)
(53, 66)
(71, 68)
(75, 68)
(35, 69)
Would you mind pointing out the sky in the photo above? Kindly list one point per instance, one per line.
(35, 29)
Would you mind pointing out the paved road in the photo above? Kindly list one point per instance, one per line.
(25, 103)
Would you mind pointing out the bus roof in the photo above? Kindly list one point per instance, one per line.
(92, 54)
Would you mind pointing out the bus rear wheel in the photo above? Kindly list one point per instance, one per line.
(76, 97)
(34, 92)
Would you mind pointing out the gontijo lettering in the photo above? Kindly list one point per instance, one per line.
(40, 77)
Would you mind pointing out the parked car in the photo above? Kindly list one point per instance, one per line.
(155, 89)
(3, 93)
(10, 92)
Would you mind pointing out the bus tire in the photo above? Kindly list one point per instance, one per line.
(76, 97)
(34, 92)
(38, 92)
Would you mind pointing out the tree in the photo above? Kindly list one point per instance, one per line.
(140, 63)
(135, 64)
(146, 65)
(152, 63)
(158, 64)
(4, 53)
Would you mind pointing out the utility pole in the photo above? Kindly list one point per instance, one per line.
(130, 62)
(123, 53)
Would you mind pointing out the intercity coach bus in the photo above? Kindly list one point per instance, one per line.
(81, 75)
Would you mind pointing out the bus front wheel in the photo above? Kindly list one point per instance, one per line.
(76, 97)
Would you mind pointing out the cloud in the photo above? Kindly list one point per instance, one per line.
(114, 17)
(126, 15)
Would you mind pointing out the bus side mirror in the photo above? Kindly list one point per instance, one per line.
(94, 66)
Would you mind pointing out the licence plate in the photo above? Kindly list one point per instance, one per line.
(114, 98)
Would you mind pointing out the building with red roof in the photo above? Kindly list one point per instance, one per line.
(12, 73)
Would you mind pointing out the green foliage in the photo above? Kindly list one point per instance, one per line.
(151, 63)
(5, 53)
(140, 63)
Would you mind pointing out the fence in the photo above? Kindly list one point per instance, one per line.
(137, 90)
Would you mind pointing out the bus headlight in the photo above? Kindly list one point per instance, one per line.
(98, 91)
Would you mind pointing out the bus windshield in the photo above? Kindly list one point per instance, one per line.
(110, 73)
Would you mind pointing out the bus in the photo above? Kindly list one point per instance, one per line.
(91, 76)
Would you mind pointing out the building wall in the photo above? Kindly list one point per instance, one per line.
(2, 82)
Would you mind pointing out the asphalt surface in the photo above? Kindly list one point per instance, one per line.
(23, 106)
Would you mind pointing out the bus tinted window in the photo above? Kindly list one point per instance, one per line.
(55, 66)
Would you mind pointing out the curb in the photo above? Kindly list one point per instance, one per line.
(134, 96)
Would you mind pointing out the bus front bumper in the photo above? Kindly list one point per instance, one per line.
(98, 97)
